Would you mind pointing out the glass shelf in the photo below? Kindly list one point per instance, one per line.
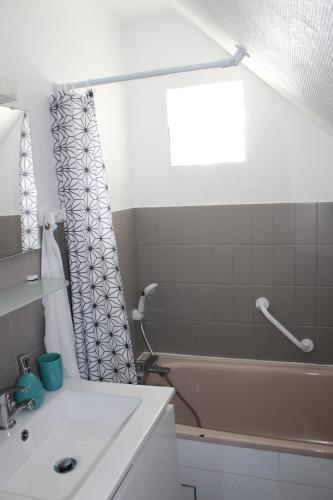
(24, 293)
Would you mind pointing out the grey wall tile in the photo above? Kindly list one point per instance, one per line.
(306, 332)
(242, 265)
(185, 302)
(7, 348)
(124, 268)
(267, 292)
(241, 224)
(132, 267)
(202, 224)
(263, 341)
(178, 337)
(165, 264)
(284, 259)
(206, 345)
(186, 337)
(12, 271)
(11, 233)
(285, 300)
(305, 305)
(222, 264)
(8, 376)
(203, 264)
(244, 340)
(325, 224)
(324, 305)
(283, 349)
(262, 224)
(32, 262)
(204, 303)
(305, 223)
(38, 322)
(184, 267)
(243, 304)
(163, 226)
(154, 332)
(306, 265)
(23, 335)
(324, 345)
(146, 263)
(167, 301)
(182, 225)
(221, 224)
(144, 226)
(325, 265)
(223, 303)
(263, 264)
(124, 227)
(284, 224)
(225, 341)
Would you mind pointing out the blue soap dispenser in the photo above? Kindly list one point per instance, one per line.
(31, 382)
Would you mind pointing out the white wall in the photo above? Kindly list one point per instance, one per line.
(289, 158)
(41, 42)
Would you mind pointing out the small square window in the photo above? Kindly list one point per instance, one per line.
(206, 124)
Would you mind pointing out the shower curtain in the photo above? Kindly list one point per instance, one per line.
(27, 190)
(103, 343)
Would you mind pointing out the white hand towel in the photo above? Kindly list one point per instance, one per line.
(59, 334)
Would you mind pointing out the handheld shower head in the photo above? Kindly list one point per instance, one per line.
(147, 292)
(149, 289)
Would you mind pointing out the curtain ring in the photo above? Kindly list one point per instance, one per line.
(47, 225)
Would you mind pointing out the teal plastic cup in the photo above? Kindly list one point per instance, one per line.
(50, 371)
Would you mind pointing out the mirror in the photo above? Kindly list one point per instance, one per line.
(19, 230)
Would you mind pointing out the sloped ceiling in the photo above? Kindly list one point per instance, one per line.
(290, 43)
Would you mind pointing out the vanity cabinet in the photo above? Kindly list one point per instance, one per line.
(154, 474)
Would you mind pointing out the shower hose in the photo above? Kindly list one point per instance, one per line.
(166, 377)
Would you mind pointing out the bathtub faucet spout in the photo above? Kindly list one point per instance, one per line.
(160, 370)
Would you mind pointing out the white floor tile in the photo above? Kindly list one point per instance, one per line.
(250, 462)
(312, 471)
(290, 491)
(248, 488)
(199, 455)
(208, 484)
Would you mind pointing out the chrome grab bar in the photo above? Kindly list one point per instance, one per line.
(306, 345)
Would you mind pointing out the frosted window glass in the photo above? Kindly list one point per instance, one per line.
(206, 124)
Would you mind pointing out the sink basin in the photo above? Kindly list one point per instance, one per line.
(73, 424)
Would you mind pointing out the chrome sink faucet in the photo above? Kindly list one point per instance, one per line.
(8, 408)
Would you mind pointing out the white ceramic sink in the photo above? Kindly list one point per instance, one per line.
(80, 425)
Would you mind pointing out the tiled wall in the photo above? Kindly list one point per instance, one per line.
(124, 226)
(22, 331)
(218, 471)
(10, 230)
(213, 262)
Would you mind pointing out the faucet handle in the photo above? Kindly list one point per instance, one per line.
(10, 390)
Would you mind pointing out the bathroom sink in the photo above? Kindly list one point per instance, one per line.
(73, 424)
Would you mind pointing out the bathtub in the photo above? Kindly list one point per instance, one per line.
(253, 413)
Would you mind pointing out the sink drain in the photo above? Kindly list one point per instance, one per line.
(64, 465)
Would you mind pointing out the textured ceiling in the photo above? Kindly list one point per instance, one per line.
(290, 43)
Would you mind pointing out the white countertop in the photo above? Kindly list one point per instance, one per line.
(105, 477)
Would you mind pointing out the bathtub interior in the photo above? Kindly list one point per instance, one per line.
(286, 401)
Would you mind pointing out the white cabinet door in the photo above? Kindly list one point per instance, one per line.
(155, 473)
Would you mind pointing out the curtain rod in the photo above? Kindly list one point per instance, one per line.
(223, 63)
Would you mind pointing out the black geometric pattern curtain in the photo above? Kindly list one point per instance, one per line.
(27, 190)
(103, 342)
